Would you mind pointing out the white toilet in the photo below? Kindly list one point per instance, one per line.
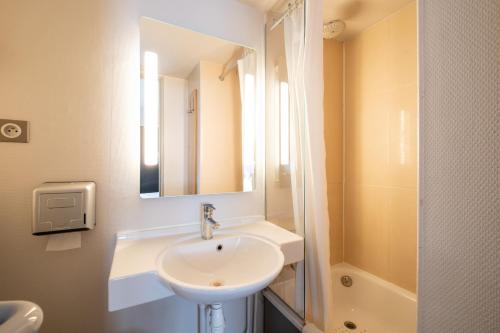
(20, 317)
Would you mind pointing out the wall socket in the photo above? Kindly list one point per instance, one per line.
(14, 131)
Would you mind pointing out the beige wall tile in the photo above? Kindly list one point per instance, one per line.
(402, 51)
(401, 217)
(402, 145)
(333, 100)
(367, 138)
(366, 229)
(381, 232)
(335, 210)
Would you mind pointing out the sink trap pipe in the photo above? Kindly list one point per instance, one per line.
(216, 318)
(205, 316)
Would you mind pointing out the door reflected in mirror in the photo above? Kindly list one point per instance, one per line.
(198, 129)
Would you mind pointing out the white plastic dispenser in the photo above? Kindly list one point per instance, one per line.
(63, 207)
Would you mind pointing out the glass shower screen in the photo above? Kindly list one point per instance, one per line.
(284, 164)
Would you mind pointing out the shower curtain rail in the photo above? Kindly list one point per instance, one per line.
(233, 62)
(291, 7)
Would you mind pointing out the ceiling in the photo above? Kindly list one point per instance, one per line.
(360, 14)
(262, 5)
(357, 14)
(180, 50)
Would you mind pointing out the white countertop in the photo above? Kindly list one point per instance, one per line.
(133, 279)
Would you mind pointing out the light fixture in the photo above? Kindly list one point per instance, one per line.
(151, 108)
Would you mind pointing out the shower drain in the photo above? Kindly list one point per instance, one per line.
(346, 280)
(350, 325)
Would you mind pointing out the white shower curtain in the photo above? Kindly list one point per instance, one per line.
(295, 56)
(304, 55)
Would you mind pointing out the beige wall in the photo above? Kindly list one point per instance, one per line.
(72, 69)
(220, 130)
(381, 149)
(174, 131)
(333, 106)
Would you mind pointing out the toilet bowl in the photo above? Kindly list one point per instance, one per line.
(20, 317)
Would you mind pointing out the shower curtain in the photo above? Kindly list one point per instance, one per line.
(294, 54)
(304, 57)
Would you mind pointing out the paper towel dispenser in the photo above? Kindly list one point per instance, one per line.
(63, 207)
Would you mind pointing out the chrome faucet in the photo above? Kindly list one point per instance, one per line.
(207, 221)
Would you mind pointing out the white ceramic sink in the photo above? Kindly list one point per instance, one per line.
(223, 268)
(20, 317)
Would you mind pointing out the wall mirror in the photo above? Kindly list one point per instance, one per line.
(197, 113)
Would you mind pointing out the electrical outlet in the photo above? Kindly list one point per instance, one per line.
(14, 131)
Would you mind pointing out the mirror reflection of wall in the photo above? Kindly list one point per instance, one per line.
(197, 113)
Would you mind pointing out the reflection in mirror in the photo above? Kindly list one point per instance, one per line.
(197, 113)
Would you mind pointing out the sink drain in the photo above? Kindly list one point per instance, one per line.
(350, 325)
(217, 283)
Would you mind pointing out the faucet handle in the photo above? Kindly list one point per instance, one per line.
(208, 207)
(213, 223)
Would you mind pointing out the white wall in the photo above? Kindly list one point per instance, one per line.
(72, 69)
(459, 256)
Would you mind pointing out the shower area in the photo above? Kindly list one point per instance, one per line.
(370, 117)
(370, 132)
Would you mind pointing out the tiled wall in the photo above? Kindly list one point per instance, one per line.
(333, 72)
(374, 219)
(381, 149)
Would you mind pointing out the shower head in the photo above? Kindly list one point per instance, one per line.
(333, 29)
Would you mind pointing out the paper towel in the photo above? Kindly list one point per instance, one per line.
(64, 241)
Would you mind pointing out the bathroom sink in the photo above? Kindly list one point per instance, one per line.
(223, 268)
(20, 317)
